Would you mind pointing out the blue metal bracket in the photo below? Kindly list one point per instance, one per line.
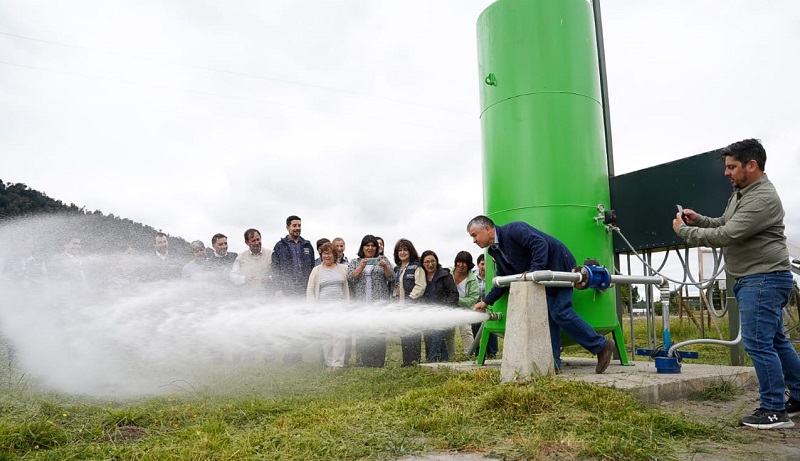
(664, 363)
(593, 276)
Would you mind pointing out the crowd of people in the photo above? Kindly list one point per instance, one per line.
(751, 231)
(292, 269)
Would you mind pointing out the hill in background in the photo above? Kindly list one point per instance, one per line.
(99, 233)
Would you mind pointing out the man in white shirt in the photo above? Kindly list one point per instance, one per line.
(252, 268)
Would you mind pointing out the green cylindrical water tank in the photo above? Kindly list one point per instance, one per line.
(544, 159)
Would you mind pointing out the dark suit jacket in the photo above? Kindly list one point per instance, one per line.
(161, 269)
(523, 248)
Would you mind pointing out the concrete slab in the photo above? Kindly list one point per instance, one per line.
(640, 378)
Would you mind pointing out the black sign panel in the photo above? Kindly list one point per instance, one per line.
(645, 200)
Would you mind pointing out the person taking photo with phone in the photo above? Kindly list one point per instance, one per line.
(370, 275)
(751, 235)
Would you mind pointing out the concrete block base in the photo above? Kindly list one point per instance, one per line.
(527, 352)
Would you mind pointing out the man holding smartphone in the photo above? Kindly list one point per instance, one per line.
(751, 233)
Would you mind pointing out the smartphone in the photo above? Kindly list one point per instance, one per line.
(373, 261)
(680, 210)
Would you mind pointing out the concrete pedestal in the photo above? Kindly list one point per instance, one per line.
(527, 351)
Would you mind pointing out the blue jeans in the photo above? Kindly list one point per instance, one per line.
(561, 316)
(435, 347)
(761, 299)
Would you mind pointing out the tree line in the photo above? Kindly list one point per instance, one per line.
(99, 232)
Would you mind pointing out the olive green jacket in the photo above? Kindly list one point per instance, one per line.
(751, 231)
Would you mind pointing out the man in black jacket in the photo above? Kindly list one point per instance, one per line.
(292, 261)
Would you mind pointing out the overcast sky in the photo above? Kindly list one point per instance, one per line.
(359, 116)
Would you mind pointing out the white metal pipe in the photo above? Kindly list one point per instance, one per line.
(719, 342)
(537, 276)
(665, 313)
(556, 284)
(571, 277)
(640, 279)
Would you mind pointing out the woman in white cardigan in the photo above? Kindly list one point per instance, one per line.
(328, 284)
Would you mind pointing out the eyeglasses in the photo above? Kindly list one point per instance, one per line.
(429, 261)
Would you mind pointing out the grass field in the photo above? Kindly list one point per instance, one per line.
(300, 412)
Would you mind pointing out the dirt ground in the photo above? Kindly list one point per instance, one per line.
(751, 444)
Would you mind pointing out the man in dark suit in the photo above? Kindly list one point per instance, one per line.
(162, 265)
(518, 247)
(219, 257)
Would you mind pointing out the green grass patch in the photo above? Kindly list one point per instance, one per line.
(722, 390)
(275, 413)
